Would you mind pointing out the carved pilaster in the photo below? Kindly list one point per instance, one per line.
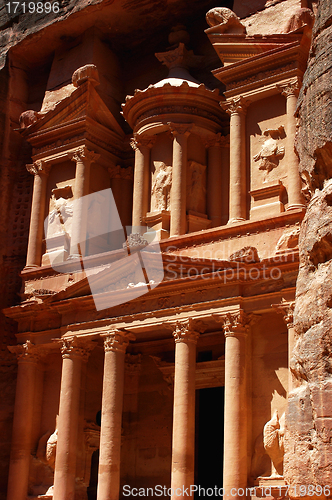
(286, 308)
(28, 352)
(180, 128)
(117, 340)
(217, 140)
(236, 106)
(185, 331)
(133, 363)
(139, 141)
(74, 347)
(84, 155)
(38, 167)
(118, 172)
(290, 88)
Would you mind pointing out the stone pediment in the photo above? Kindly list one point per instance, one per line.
(84, 103)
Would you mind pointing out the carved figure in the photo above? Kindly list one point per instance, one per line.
(273, 440)
(161, 187)
(225, 19)
(289, 239)
(196, 190)
(60, 218)
(271, 151)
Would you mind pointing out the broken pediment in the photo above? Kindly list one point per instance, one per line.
(82, 104)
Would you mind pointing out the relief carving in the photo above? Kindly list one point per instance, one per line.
(273, 439)
(161, 187)
(60, 218)
(196, 187)
(271, 151)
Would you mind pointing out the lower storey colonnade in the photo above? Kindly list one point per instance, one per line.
(75, 352)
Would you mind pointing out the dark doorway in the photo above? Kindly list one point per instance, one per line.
(209, 438)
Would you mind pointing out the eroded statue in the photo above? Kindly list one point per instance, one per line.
(273, 440)
(271, 151)
(161, 187)
(225, 20)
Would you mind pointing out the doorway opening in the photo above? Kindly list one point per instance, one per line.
(209, 438)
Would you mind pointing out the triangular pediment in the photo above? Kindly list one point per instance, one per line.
(83, 103)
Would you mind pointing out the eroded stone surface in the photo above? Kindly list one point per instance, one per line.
(308, 456)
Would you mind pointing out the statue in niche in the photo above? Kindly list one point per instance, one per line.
(196, 190)
(60, 218)
(224, 20)
(273, 439)
(271, 151)
(161, 187)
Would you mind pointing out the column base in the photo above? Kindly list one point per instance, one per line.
(30, 267)
(235, 220)
(295, 206)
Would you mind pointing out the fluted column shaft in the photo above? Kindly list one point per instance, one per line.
(83, 159)
(73, 354)
(295, 200)
(115, 345)
(180, 134)
(235, 421)
(36, 231)
(28, 357)
(142, 147)
(183, 441)
(238, 183)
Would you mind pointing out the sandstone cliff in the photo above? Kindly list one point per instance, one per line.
(308, 456)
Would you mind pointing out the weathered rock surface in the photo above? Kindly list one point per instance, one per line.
(308, 437)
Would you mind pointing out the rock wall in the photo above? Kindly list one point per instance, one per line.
(308, 439)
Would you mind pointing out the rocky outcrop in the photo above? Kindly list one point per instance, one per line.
(308, 436)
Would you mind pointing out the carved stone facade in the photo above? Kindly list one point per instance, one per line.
(155, 338)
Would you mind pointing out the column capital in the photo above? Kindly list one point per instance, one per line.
(139, 141)
(133, 362)
(84, 155)
(117, 340)
(286, 308)
(238, 105)
(75, 347)
(217, 140)
(38, 167)
(118, 172)
(237, 323)
(289, 89)
(185, 331)
(28, 352)
(180, 128)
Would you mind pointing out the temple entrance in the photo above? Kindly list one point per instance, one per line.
(209, 438)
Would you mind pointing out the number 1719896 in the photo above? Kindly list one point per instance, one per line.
(32, 7)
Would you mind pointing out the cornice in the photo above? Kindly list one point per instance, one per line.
(254, 73)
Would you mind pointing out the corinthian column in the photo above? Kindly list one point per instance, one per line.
(40, 171)
(295, 200)
(115, 344)
(183, 442)
(28, 357)
(142, 146)
(236, 108)
(83, 158)
(235, 426)
(180, 134)
(74, 352)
